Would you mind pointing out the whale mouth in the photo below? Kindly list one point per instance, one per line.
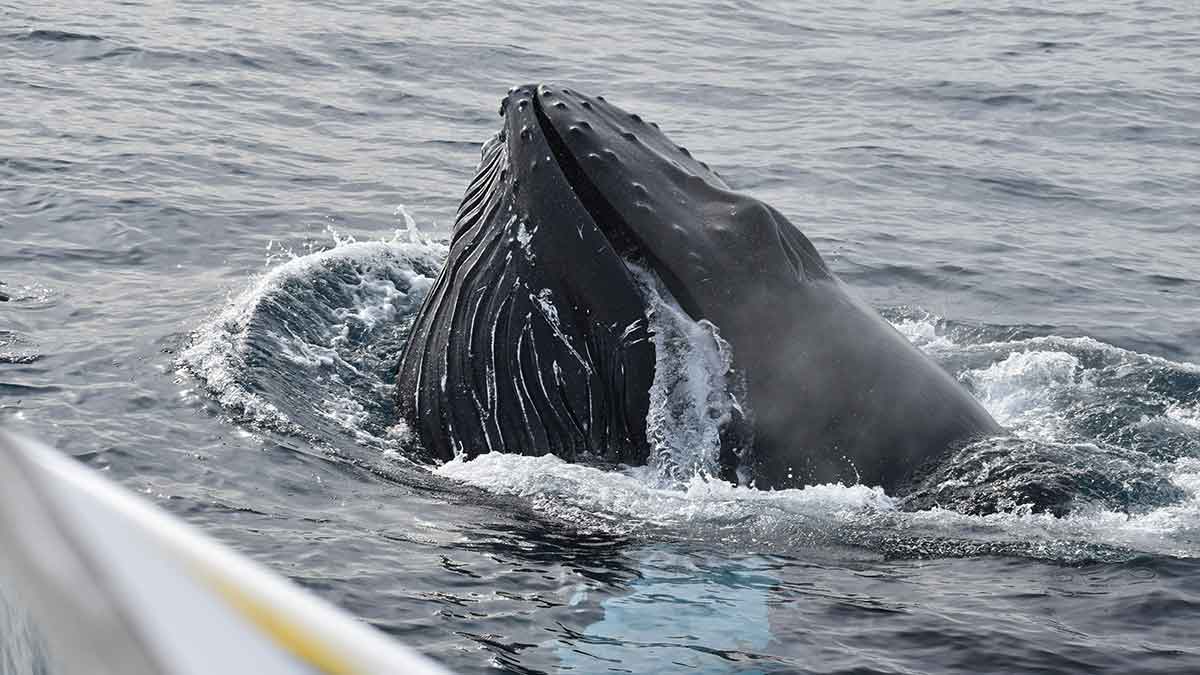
(621, 237)
(605, 215)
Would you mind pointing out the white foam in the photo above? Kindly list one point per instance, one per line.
(307, 354)
(924, 334)
(627, 502)
(1185, 415)
(1112, 353)
(380, 300)
(1021, 390)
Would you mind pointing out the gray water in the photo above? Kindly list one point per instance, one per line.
(1014, 186)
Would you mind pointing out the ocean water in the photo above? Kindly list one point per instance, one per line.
(217, 219)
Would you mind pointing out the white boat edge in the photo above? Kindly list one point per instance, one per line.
(117, 585)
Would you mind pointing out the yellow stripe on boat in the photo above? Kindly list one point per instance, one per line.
(295, 638)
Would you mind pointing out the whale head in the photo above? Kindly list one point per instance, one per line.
(535, 337)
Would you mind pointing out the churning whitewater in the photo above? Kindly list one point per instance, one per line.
(308, 347)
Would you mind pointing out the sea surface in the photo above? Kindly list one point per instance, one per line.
(216, 220)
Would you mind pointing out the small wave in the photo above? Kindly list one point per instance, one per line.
(1007, 99)
(1167, 530)
(1066, 389)
(43, 35)
(309, 348)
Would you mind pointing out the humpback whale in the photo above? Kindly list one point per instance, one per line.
(534, 338)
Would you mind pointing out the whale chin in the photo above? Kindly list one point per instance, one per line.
(534, 339)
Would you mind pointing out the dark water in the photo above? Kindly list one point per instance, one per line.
(1015, 186)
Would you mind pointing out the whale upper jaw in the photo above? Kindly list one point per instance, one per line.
(655, 202)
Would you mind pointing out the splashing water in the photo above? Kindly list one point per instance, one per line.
(694, 392)
(1022, 390)
(1106, 440)
(309, 347)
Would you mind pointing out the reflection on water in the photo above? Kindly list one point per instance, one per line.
(681, 614)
